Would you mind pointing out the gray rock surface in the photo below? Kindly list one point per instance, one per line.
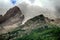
(11, 19)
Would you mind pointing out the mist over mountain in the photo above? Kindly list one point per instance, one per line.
(28, 11)
(48, 8)
(31, 11)
(32, 8)
(30, 19)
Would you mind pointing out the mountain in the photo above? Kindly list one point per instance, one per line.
(11, 19)
(35, 28)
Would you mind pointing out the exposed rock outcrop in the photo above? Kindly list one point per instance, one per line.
(10, 13)
(11, 19)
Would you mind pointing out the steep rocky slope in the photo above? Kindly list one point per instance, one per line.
(11, 19)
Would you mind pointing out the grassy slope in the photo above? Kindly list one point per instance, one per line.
(47, 33)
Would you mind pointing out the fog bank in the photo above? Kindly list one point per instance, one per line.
(31, 11)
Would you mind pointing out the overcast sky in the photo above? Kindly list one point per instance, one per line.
(6, 4)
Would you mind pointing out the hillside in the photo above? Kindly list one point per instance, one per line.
(36, 28)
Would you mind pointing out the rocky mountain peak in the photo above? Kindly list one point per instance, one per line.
(11, 19)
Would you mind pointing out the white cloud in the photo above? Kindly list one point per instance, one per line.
(6, 4)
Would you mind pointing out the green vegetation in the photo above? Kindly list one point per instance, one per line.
(43, 33)
(46, 32)
(40, 17)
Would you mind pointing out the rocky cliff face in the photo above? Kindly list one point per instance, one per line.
(11, 19)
